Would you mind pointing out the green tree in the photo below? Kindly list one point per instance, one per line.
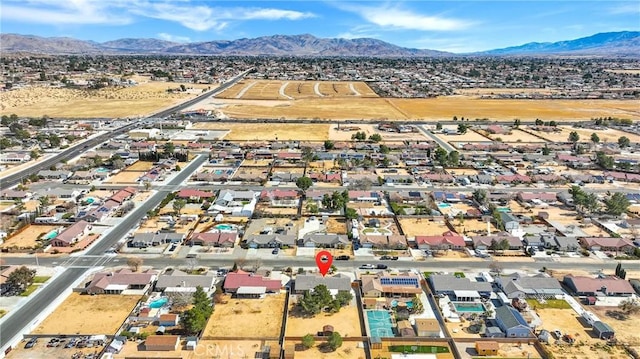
(384, 149)
(308, 154)
(480, 195)
(343, 298)
(304, 183)
(193, 321)
(308, 341)
(202, 302)
(574, 137)
(616, 204)
(313, 301)
(329, 145)
(539, 122)
(351, 213)
(438, 126)
(546, 150)
(34, 154)
(335, 341)
(595, 138)
(178, 205)
(453, 158)
(44, 202)
(604, 161)
(21, 278)
(375, 137)
(462, 128)
(169, 148)
(624, 141)
(442, 157)
(517, 123)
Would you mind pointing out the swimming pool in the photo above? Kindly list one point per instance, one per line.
(224, 227)
(158, 303)
(102, 169)
(503, 209)
(444, 205)
(469, 307)
(51, 235)
(90, 200)
(394, 303)
(380, 324)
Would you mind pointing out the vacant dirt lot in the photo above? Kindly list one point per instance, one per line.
(268, 131)
(140, 166)
(126, 177)
(249, 318)
(348, 350)
(108, 312)
(145, 98)
(626, 326)
(384, 352)
(345, 322)
(420, 226)
(281, 90)
(27, 238)
(516, 136)
(225, 349)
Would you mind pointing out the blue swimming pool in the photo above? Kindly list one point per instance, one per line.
(444, 205)
(380, 324)
(158, 303)
(394, 303)
(102, 169)
(51, 235)
(469, 307)
(224, 227)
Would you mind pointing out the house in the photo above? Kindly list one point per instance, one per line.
(168, 320)
(274, 240)
(487, 348)
(517, 285)
(71, 234)
(603, 330)
(144, 240)
(319, 240)
(179, 281)
(162, 343)
(448, 240)
(512, 323)
(54, 174)
(123, 195)
(220, 239)
(119, 281)
(382, 285)
(193, 194)
(485, 242)
(335, 284)
(236, 203)
(242, 283)
(428, 327)
(116, 345)
(610, 244)
(509, 221)
(600, 286)
(280, 198)
(451, 285)
(532, 197)
(396, 241)
(11, 194)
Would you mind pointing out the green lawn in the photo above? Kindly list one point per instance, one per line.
(40, 278)
(550, 303)
(427, 274)
(425, 349)
(459, 274)
(30, 289)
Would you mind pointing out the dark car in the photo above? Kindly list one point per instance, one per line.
(381, 266)
(389, 258)
(31, 343)
(343, 258)
(275, 251)
(70, 344)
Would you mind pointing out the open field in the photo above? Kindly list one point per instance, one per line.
(606, 135)
(280, 90)
(267, 131)
(420, 226)
(140, 166)
(27, 238)
(71, 316)
(626, 326)
(432, 109)
(516, 136)
(472, 226)
(142, 99)
(225, 349)
(348, 350)
(262, 316)
(345, 322)
(469, 136)
(125, 177)
(496, 91)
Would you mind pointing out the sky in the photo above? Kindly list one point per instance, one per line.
(455, 26)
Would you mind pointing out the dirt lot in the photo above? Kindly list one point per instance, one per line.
(626, 327)
(472, 226)
(469, 136)
(420, 226)
(339, 134)
(225, 349)
(337, 225)
(27, 238)
(267, 131)
(145, 98)
(607, 135)
(109, 312)
(281, 90)
(516, 136)
(250, 318)
(348, 350)
(140, 166)
(345, 322)
(126, 177)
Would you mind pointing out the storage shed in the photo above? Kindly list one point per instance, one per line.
(603, 330)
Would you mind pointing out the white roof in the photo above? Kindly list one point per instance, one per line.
(116, 287)
(466, 293)
(251, 290)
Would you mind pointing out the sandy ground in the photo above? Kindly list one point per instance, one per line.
(418, 226)
(142, 99)
(225, 349)
(516, 136)
(337, 226)
(348, 350)
(269, 131)
(472, 226)
(125, 177)
(495, 91)
(250, 318)
(607, 135)
(27, 238)
(139, 166)
(345, 322)
(469, 136)
(278, 90)
(71, 316)
(437, 108)
(626, 329)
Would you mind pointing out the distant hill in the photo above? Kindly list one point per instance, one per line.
(625, 43)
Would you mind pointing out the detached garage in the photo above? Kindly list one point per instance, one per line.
(603, 330)
(162, 343)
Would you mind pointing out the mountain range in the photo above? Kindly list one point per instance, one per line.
(625, 43)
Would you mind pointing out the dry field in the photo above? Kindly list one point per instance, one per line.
(348, 350)
(108, 313)
(125, 177)
(472, 226)
(27, 238)
(345, 322)
(337, 226)
(269, 131)
(469, 136)
(516, 136)
(606, 135)
(139, 166)
(626, 327)
(290, 90)
(207, 349)
(441, 108)
(496, 91)
(143, 99)
(421, 226)
(250, 318)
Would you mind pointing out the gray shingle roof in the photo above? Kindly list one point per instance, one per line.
(510, 317)
(307, 282)
(449, 282)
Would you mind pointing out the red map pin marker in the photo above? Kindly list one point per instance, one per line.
(323, 261)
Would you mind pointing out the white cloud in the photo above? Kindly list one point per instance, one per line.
(626, 9)
(71, 12)
(173, 38)
(395, 18)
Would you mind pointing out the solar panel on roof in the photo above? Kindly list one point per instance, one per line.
(399, 281)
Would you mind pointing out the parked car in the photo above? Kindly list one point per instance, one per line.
(71, 343)
(557, 333)
(389, 258)
(343, 258)
(31, 343)
(381, 266)
(275, 251)
(367, 266)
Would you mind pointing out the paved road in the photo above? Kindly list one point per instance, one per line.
(27, 313)
(439, 141)
(75, 150)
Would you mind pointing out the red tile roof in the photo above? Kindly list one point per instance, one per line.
(188, 193)
(243, 279)
(447, 238)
